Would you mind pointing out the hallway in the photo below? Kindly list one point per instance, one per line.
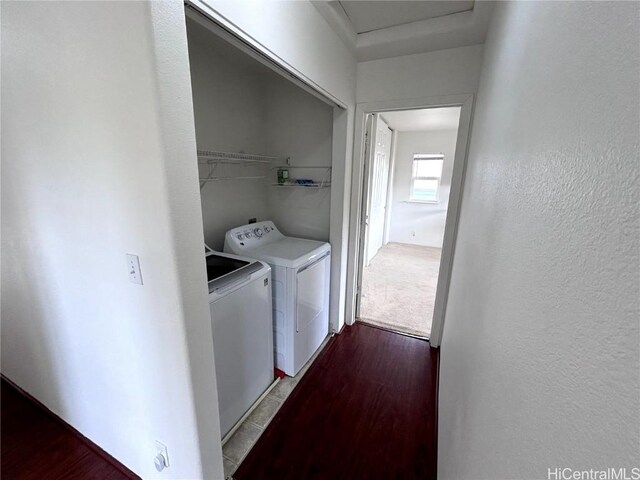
(489, 148)
(365, 409)
(399, 288)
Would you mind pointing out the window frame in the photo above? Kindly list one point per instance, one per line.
(425, 157)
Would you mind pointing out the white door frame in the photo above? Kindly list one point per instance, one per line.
(392, 166)
(464, 101)
(368, 150)
(369, 153)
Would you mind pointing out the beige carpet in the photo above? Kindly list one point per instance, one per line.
(399, 288)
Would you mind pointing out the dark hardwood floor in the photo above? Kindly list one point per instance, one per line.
(38, 445)
(366, 409)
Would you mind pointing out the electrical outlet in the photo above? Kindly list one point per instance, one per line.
(413, 234)
(162, 452)
(133, 268)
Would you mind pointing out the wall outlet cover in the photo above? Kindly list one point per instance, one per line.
(161, 448)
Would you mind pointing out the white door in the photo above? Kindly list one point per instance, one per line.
(379, 178)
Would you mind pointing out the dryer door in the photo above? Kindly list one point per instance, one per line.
(312, 309)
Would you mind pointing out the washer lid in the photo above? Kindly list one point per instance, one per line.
(290, 252)
(224, 269)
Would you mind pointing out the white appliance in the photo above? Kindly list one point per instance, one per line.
(240, 305)
(300, 271)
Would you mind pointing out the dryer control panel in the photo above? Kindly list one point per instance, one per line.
(252, 235)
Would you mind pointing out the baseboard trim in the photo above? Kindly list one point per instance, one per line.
(97, 449)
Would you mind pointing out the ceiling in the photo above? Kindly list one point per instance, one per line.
(445, 118)
(367, 16)
(381, 29)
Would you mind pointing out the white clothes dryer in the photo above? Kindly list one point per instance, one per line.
(300, 271)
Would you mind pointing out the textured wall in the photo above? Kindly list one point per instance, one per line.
(540, 355)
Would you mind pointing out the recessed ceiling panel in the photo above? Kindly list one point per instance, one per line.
(367, 16)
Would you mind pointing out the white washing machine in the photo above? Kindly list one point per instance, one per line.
(240, 305)
(300, 271)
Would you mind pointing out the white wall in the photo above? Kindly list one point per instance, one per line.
(420, 223)
(98, 160)
(230, 115)
(228, 88)
(540, 354)
(444, 72)
(300, 126)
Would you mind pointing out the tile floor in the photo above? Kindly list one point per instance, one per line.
(239, 445)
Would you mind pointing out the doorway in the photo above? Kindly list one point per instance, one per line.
(412, 165)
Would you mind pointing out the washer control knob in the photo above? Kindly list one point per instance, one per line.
(258, 232)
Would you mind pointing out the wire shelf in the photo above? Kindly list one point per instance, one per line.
(301, 167)
(213, 159)
(209, 156)
(245, 177)
(325, 182)
(302, 185)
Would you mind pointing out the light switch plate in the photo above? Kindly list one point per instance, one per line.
(133, 268)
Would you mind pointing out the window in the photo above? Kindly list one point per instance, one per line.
(425, 177)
